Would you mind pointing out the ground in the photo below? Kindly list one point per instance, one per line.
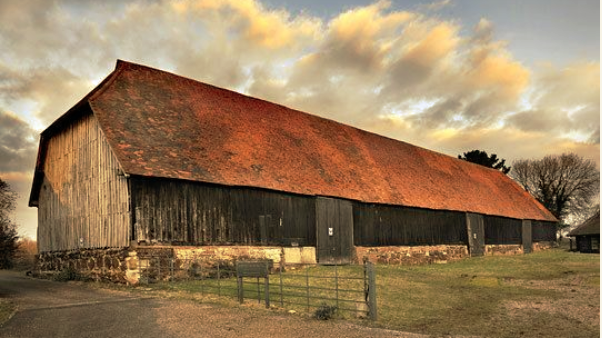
(54, 309)
(550, 294)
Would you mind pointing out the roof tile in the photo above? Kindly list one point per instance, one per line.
(160, 124)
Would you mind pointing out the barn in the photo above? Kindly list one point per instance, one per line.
(587, 235)
(149, 159)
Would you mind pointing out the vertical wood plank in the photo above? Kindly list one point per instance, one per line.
(82, 196)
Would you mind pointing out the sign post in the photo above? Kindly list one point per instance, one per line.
(254, 269)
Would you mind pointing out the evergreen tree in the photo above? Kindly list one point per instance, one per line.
(482, 158)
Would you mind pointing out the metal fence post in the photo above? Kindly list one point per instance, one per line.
(202, 282)
(307, 287)
(267, 292)
(241, 295)
(280, 276)
(219, 287)
(188, 268)
(336, 283)
(171, 272)
(258, 292)
(371, 294)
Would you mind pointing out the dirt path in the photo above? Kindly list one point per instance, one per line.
(53, 309)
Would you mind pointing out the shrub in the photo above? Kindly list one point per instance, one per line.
(67, 274)
(325, 312)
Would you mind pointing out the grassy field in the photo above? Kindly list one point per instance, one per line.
(545, 294)
(552, 293)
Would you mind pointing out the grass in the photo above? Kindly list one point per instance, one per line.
(6, 310)
(553, 293)
(323, 290)
(504, 296)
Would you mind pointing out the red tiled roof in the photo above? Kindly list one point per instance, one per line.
(163, 125)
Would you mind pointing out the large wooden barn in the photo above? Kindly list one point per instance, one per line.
(151, 158)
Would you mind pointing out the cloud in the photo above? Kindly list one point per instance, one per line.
(437, 5)
(39, 89)
(18, 145)
(564, 102)
(411, 75)
(18, 149)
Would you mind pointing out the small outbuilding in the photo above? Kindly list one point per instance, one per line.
(153, 159)
(587, 235)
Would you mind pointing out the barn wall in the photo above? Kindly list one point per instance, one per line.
(381, 225)
(502, 230)
(543, 231)
(190, 213)
(83, 202)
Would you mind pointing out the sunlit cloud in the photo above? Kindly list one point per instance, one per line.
(406, 74)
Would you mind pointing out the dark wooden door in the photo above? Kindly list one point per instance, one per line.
(527, 238)
(476, 234)
(334, 230)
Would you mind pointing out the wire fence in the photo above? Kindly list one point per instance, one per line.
(349, 290)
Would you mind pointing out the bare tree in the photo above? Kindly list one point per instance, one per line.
(566, 185)
(7, 200)
(8, 230)
(25, 257)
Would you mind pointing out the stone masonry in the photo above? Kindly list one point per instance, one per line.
(127, 265)
(115, 265)
(411, 255)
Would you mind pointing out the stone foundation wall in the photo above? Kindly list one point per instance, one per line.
(228, 253)
(503, 249)
(115, 265)
(540, 246)
(411, 255)
(126, 266)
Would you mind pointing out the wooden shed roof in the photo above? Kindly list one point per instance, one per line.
(163, 125)
(589, 227)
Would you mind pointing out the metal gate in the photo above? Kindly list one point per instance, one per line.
(334, 230)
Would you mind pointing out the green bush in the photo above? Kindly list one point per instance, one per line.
(325, 312)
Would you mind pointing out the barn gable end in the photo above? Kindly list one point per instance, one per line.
(83, 196)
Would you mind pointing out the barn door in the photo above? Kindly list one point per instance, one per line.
(476, 234)
(334, 227)
(527, 238)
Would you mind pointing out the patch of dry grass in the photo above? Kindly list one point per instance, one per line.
(6, 310)
(546, 294)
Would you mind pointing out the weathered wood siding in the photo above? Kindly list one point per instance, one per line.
(527, 236)
(502, 230)
(83, 201)
(543, 231)
(183, 212)
(476, 234)
(334, 223)
(381, 225)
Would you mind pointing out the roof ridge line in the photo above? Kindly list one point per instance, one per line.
(104, 84)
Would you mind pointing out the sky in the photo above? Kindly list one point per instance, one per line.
(517, 78)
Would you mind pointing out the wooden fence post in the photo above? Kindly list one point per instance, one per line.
(371, 292)
(239, 284)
